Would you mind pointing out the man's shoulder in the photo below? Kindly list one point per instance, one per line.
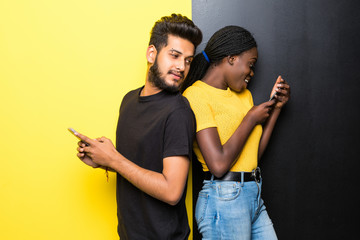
(133, 93)
(179, 102)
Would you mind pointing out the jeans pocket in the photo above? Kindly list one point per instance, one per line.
(201, 206)
(228, 191)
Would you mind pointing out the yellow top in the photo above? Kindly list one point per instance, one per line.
(224, 109)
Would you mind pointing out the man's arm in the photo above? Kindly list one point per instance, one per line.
(167, 186)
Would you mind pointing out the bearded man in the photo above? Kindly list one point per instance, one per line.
(154, 139)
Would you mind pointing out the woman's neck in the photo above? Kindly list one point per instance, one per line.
(215, 77)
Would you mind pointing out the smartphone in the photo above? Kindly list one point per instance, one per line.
(273, 96)
(275, 93)
(74, 132)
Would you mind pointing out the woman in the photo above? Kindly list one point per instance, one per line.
(230, 137)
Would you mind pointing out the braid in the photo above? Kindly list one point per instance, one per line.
(228, 41)
(198, 68)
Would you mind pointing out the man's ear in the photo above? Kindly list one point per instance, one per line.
(151, 53)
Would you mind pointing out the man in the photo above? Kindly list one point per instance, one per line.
(153, 140)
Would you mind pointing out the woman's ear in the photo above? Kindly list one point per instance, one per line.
(151, 54)
(231, 59)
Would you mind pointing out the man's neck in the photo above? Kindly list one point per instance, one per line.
(149, 89)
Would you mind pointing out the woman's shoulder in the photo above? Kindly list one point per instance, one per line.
(244, 93)
(195, 90)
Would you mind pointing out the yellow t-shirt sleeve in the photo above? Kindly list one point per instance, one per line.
(202, 110)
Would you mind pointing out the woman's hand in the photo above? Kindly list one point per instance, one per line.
(282, 90)
(259, 114)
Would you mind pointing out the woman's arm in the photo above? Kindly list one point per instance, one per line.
(219, 158)
(267, 131)
(283, 94)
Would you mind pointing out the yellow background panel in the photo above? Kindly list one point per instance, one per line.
(66, 64)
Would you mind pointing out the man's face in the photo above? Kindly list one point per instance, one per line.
(172, 64)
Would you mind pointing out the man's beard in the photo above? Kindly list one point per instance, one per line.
(158, 81)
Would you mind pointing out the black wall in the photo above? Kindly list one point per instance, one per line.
(311, 165)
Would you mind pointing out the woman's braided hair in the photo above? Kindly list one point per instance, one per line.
(228, 41)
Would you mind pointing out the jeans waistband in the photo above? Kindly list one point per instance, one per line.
(254, 175)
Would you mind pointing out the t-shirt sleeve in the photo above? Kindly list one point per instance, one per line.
(179, 133)
(201, 108)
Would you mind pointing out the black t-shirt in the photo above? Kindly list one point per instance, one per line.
(149, 129)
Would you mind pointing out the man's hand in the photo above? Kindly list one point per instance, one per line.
(83, 156)
(167, 186)
(97, 152)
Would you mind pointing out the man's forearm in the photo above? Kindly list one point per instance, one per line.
(157, 185)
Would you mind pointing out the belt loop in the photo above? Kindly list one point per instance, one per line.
(242, 179)
(212, 178)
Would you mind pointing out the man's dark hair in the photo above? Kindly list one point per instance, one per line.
(176, 25)
(228, 41)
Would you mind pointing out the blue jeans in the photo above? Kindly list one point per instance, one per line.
(232, 210)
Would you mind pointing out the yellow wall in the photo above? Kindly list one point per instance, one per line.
(65, 64)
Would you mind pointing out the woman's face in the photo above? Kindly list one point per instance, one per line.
(241, 69)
